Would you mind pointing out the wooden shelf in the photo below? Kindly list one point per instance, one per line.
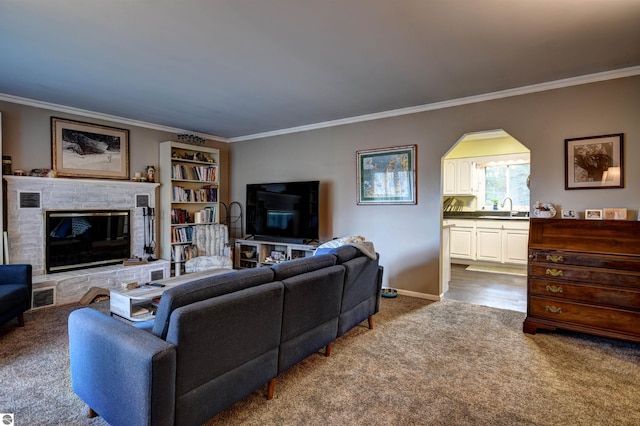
(263, 251)
(172, 164)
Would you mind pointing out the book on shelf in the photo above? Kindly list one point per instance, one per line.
(205, 194)
(180, 216)
(183, 253)
(206, 215)
(199, 173)
(182, 234)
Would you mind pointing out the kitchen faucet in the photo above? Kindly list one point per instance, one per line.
(510, 205)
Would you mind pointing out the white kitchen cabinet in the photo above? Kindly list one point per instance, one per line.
(493, 241)
(462, 241)
(514, 243)
(459, 177)
(489, 241)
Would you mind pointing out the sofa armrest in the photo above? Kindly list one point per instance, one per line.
(125, 374)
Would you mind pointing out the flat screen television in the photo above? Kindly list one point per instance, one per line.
(285, 211)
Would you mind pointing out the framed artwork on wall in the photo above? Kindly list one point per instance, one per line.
(387, 175)
(594, 162)
(89, 150)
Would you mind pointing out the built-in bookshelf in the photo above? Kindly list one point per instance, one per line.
(189, 177)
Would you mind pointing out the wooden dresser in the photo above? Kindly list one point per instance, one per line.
(584, 275)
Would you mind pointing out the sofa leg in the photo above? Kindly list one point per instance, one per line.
(92, 413)
(21, 320)
(271, 387)
(371, 322)
(327, 349)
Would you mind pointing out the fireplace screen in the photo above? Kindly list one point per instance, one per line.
(83, 239)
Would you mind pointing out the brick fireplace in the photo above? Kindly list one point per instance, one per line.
(27, 200)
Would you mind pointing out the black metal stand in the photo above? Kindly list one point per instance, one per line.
(149, 214)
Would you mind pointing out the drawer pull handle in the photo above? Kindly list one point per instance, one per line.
(554, 289)
(553, 309)
(554, 272)
(555, 258)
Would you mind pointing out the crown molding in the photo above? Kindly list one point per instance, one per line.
(524, 90)
(99, 116)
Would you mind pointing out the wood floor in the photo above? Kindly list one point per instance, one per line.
(488, 289)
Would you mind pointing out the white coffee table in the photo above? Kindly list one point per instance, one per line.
(139, 304)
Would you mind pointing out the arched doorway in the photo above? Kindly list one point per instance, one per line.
(485, 208)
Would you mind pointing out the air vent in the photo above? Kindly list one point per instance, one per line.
(29, 200)
(43, 297)
(142, 200)
(156, 275)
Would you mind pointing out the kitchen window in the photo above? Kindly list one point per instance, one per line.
(502, 178)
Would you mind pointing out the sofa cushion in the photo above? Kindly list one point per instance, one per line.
(290, 268)
(205, 288)
(311, 309)
(360, 283)
(229, 342)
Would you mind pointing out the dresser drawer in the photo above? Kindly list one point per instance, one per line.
(594, 316)
(609, 296)
(597, 276)
(585, 259)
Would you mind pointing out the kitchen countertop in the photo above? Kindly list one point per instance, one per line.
(486, 215)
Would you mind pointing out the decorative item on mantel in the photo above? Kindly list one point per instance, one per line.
(6, 165)
(151, 171)
(544, 210)
(41, 172)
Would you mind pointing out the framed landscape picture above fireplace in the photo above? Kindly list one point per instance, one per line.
(89, 150)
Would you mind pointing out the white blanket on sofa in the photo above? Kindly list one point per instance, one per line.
(357, 241)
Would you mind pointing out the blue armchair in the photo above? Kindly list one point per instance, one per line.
(15, 292)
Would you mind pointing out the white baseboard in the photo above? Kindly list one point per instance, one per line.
(419, 295)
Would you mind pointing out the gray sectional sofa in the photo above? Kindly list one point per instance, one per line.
(217, 339)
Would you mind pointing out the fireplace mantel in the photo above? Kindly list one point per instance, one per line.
(84, 182)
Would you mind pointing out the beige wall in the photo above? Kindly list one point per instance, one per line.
(408, 237)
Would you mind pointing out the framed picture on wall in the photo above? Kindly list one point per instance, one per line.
(387, 175)
(89, 150)
(594, 162)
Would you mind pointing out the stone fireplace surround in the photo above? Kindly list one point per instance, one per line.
(26, 230)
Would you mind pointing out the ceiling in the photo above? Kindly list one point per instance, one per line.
(241, 68)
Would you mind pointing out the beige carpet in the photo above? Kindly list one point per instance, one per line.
(423, 364)
(497, 269)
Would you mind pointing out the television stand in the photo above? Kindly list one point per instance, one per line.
(254, 253)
